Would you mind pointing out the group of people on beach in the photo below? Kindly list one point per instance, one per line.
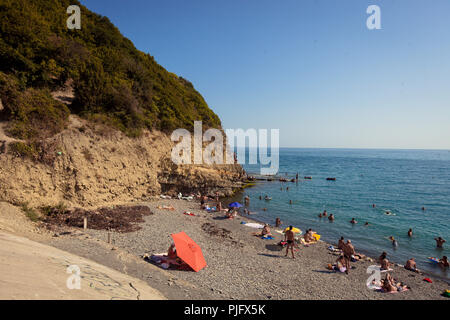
(346, 248)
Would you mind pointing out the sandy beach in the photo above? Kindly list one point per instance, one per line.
(240, 266)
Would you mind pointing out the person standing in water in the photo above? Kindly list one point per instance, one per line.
(278, 222)
(439, 242)
(289, 238)
(410, 233)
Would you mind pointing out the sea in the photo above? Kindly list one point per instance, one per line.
(400, 182)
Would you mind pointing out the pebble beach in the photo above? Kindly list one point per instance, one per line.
(239, 264)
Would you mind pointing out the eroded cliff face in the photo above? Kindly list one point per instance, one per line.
(93, 166)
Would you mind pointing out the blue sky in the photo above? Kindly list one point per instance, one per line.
(310, 68)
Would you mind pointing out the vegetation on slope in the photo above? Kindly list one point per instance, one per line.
(114, 82)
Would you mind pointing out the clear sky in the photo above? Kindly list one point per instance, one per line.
(310, 68)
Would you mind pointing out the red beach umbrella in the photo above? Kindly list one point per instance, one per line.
(189, 251)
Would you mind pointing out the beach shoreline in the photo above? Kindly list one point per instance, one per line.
(240, 266)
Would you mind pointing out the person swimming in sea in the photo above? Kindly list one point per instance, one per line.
(366, 224)
(410, 233)
(331, 217)
(443, 263)
(324, 213)
(353, 221)
(394, 242)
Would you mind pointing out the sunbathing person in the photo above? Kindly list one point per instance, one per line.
(384, 261)
(309, 236)
(411, 265)
(266, 231)
(339, 265)
(172, 252)
(388, 285)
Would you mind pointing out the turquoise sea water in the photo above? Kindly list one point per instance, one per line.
(402, 181)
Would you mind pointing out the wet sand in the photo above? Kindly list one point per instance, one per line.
(240, 266)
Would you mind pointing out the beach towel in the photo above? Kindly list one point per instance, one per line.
(267, 237)
(165, 197)
(254, 225)
(189, 213)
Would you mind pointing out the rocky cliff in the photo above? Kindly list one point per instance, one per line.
(91, 165)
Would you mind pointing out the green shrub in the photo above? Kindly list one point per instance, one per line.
(110, 76)
(30, 212)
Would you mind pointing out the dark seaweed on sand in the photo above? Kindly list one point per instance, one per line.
(119, 218)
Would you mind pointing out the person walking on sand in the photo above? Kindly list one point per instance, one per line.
(385, 264)
(411, 265)
(289, 238)
(349, 251)
(439, 242)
